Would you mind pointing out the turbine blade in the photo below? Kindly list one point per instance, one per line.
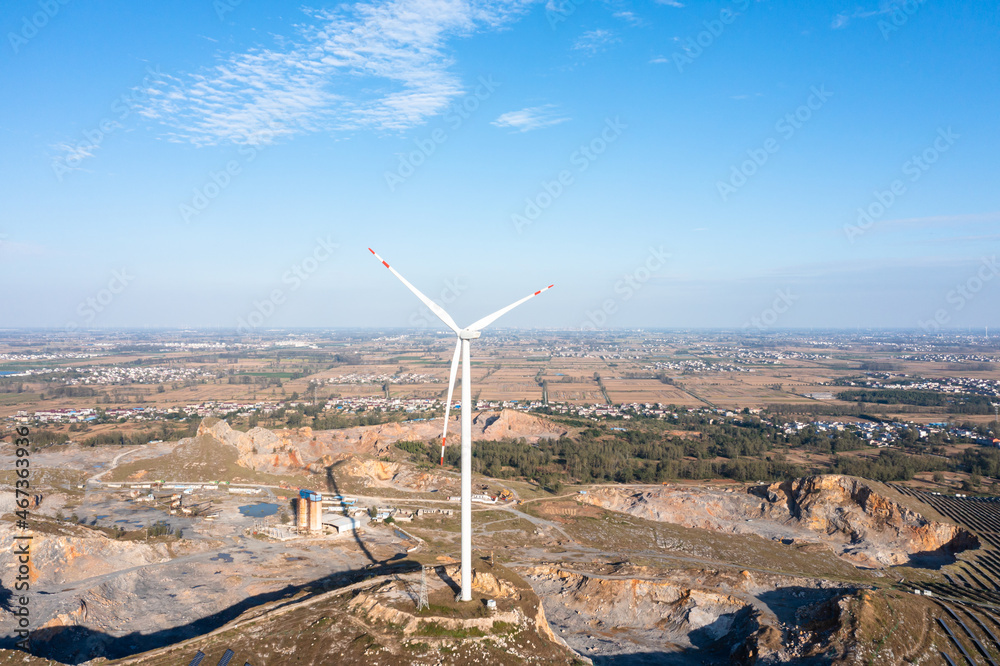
(451, 391)
(489, 319)
(434, 307)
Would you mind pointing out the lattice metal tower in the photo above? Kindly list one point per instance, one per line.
(422, 602)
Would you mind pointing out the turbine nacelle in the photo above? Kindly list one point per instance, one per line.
(469, 334)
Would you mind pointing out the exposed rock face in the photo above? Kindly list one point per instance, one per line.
(485, 583)
(283, 451)
(511, 423)
(260, 448)
(372, 606)
(68, 552)
(376, 470)
(861, 525)
(381, 474)
(655, 611)
(844, 506)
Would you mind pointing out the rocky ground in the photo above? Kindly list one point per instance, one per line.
(796, 572)
(283, 451)
(841, 512)
(115, 598)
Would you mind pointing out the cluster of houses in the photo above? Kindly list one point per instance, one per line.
(604, 355)
(370, 403)
(888, 433)
(114, 374)
(84, 415)
(765, 357)
(948, 358)
(402, 515)
(30, 372)
(15, 357)
(972, 385)
(222, 408)
(382, 378)
(877, 434)
(694, 366)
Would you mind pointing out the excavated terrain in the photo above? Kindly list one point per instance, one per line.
(613, 574)
(64, 552)
(382, 474)
(841, 512)
(283, 451)
(637, 615)
(94, 595)
(605, 615)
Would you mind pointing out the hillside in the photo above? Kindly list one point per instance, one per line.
(292, 450)
(841, 512)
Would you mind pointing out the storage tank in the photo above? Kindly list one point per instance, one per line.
(310, 511)
(315, 516)
(301, 513)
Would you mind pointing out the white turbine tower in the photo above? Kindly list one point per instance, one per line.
(465, 335)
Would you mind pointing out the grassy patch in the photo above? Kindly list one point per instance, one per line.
(438, 609)
(436, 630)
(202, 459)
(621, 533)
(500, 627)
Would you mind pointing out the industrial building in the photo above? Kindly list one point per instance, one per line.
(309, 516)
(342, 524)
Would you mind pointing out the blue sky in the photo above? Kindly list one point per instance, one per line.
(666, 164)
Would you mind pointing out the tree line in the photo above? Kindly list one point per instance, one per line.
(956, 403)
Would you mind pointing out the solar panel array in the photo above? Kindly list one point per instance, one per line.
(972, 590)
(224, 661)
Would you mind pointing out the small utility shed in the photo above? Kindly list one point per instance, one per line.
(342, 523)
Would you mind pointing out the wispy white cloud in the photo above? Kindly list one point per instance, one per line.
(75, 153)
(658, 60)
(531, 118)
(368, 65)
(843, 19)
(594, 41)
(670, 3)
(629, 17)
(67, 157)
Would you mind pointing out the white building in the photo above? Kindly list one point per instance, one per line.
(341, 523)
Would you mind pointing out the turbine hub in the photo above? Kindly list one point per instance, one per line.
(468, 334)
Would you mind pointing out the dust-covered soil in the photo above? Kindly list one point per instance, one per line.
(805, 571)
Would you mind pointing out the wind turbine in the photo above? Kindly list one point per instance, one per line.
(465, 336)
